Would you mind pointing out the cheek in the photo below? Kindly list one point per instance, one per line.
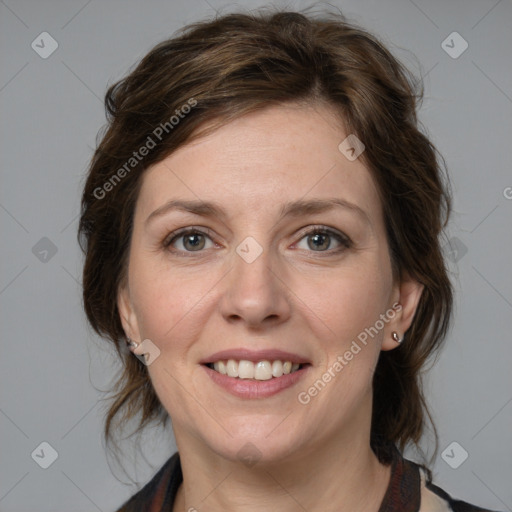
(346, 303)
(346, 308)
(167, 302)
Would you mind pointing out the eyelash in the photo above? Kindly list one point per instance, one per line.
(343, 240)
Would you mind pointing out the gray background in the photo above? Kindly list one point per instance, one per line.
(53, 369)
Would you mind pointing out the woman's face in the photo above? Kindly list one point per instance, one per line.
(286, 261)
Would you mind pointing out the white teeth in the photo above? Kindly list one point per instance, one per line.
(246, 369)
(277, 369)
(231, 368)
(222, 368)
(262, 370)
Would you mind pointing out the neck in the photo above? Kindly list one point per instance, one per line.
(345, 476)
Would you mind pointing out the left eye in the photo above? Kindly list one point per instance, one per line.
(320, 240)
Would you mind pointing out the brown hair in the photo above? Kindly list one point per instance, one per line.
(240, 63)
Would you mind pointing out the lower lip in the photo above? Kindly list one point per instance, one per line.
(250, 388)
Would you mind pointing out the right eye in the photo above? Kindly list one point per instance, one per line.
(191, 239)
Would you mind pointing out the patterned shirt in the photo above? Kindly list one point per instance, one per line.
(409, 490)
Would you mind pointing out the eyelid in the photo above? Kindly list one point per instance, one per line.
(171, 237)
(314, 228)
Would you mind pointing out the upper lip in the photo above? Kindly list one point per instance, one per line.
(239, 354)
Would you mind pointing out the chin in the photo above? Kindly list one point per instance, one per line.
(256, 441)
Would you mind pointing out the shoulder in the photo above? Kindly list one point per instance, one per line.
(436, 499)
(159, 492)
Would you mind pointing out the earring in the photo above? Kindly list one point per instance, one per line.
(132, 344)
(396, 338)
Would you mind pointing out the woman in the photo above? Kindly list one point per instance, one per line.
(261, 228)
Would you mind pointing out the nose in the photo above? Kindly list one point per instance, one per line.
(256, 294)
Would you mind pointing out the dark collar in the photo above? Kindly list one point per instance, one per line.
(404, 490)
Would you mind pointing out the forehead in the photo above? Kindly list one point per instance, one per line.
(262, 160)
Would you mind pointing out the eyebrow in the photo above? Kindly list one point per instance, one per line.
(291, 209)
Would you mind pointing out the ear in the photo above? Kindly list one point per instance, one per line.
(127, 313)
(406, 296)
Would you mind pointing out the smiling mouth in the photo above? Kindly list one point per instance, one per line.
(261, 370)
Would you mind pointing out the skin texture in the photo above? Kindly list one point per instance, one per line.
(294, 296)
